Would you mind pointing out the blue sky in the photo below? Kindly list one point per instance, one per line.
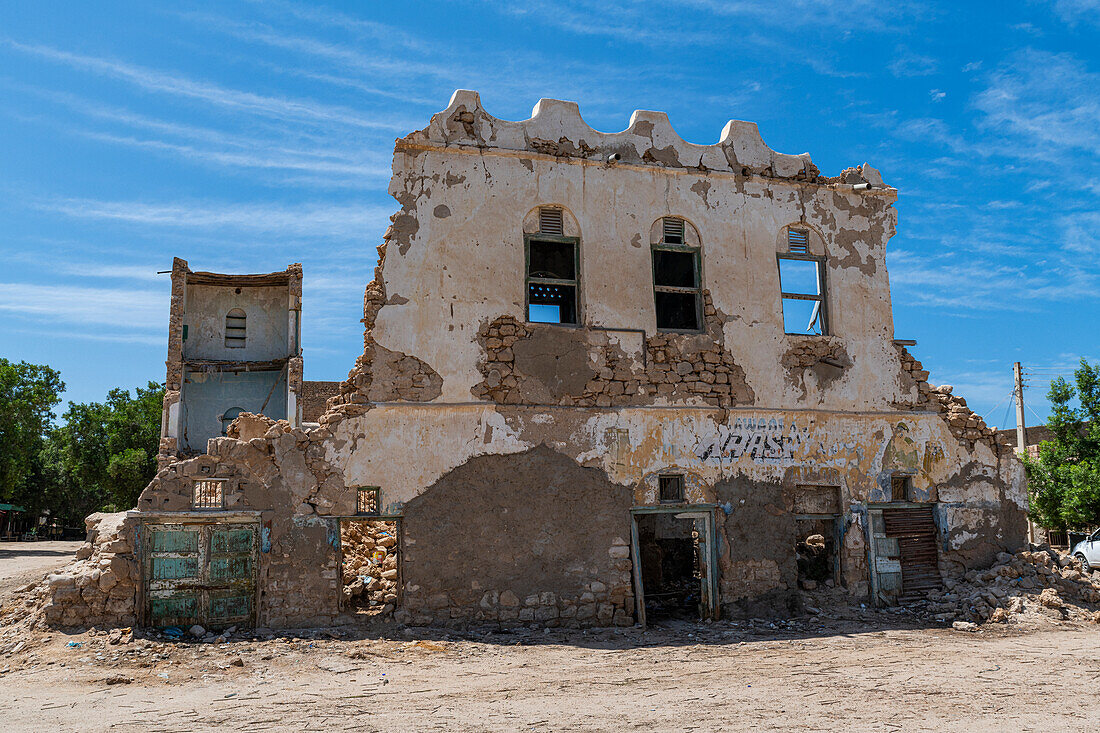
(244, 136)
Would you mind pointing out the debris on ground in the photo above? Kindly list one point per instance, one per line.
(369, 565)
(1041, 581)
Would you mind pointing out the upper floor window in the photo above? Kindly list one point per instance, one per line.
(235, 329)
(677, 292)
(552, 279)
(802, 282)
(229, 416)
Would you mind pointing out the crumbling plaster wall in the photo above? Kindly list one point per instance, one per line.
(267, 322)
(280, 474)
(454, 261)
(419, 417)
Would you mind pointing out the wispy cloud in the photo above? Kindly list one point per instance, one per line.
(127, 309)
(1045, 104)
(283, 108)
(351, 221)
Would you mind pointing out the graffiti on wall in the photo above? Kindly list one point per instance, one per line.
(765, 440)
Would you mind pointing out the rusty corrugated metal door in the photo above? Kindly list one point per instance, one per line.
(915, 530)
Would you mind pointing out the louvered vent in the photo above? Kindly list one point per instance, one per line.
(674, 231)
(550, 222)
(798, 242)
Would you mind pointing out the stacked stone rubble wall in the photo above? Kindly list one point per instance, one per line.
(100, 587)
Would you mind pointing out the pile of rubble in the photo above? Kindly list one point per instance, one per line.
(1041, 581)
(369, 570)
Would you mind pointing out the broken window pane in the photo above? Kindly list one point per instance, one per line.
(801, 316)
(552, 282)
(676, 289)
(677, 311)
(803, 296)
(798, 276)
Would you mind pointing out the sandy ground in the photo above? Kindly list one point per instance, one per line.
(24, 562)
(877, 674)
(848, 669)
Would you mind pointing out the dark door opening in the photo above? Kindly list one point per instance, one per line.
(671, 567)
(369, 566)
(817, 557)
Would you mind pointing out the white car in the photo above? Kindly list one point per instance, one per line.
(1088, 551)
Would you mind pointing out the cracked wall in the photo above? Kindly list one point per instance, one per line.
(463, 413)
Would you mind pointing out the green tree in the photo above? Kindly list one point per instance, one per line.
(1064, 482)
(109, 449)
(28, 394)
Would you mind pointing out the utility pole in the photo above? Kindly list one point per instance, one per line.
(1021, 435)
(1021, 430)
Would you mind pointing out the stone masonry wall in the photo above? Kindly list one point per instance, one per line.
(100, 587)
(967, 426)
(677, 367)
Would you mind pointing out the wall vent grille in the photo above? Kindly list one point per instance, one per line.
(550, 222)
(798, 241)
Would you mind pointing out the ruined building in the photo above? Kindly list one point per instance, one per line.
(606, 378)
(234, 345)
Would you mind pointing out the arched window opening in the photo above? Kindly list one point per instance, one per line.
(235, 329)
(552, 280)
(677, 286)
(229, 416)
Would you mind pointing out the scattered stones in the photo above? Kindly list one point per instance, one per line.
(1042, 581)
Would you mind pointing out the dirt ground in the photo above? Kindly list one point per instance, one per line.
(24, 562)
(848, 668)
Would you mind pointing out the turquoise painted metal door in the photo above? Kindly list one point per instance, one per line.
(201, 574)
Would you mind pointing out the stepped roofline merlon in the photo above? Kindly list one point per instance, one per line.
(556, 128)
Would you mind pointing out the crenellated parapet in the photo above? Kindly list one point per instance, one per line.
(557, 129)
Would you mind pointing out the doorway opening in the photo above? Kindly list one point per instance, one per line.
(815, 549)
(369, 567)
(671, 567)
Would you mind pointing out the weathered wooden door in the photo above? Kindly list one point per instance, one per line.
(200, 574)
(905, 557)
(173, 573)
(914, 528)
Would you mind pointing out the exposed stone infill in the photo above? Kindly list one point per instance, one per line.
(825, 356)
(606, 602)
(967, 426)
(677, 367)
(100, 587)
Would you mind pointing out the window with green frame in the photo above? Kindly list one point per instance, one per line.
(367, 501)
(677, 293)
(552, 279)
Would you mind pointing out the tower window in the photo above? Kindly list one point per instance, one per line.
(235, 329)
